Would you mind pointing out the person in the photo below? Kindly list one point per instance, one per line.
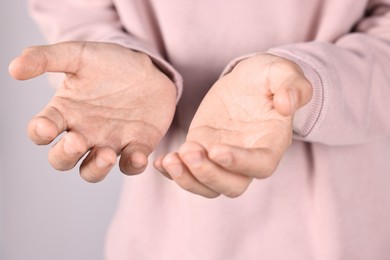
(282, 106)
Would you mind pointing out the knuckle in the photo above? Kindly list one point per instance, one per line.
(58, 166)
(239, 189)
(185, 184)
(91, 177)
(235, 193)
(206, 177)
(91, 174)
(59, 163)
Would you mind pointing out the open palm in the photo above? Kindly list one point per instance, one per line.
(113, 101)
(241, 129)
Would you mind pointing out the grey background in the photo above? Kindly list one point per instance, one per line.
(44, 214)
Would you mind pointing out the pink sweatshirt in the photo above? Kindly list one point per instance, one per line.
(330, 197)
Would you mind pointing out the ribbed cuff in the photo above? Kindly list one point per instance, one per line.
(307, 117)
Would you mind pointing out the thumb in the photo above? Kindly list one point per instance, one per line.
(34, 61)
(292, 95)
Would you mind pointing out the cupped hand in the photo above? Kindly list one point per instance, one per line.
(113, 101)
(241, 129)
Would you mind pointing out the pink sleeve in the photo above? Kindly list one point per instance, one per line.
(351, 81)
(97, 20)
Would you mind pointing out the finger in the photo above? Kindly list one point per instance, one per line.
(34, 61)
(159, 166)
(293, 94)
(181, 175)
(98, 164)
(257, 163)
(65, 154)
(46, 126)
(134, 159)
(210, 174)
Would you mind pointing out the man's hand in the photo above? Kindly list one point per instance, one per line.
(113, 101)
(241, 129)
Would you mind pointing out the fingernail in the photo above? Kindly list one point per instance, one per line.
(101, 163)
(194, 159)
(42, 132)
(293, 99)
(137, 165)
(39, 129)
(175, 170)
(138, 160)
(68, 148)
(224, 159)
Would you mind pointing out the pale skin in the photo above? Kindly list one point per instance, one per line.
(115, 102)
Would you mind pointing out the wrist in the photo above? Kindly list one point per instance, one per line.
(307, 117)
(163, 67)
